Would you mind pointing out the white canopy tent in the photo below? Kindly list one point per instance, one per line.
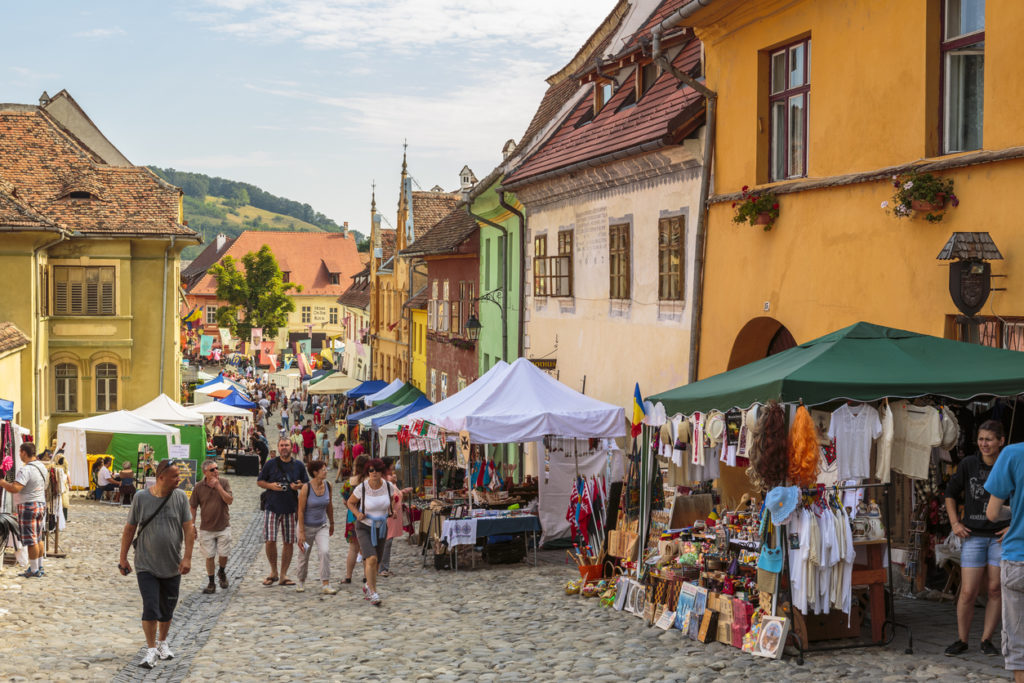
(168, 411)
(289, 380)
(450, 414)
(383, 393)
(334, 384)
(202, 394)
(214, 408)
(71, 435)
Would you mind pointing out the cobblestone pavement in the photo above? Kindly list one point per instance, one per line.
(493, 624)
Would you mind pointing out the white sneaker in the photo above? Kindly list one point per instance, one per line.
(300, 588)
(163, 650)
(366, 592)
(149, 659)
(359, 558)
(327, 590)
(374, 598)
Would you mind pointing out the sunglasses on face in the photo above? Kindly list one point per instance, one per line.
(372, 471)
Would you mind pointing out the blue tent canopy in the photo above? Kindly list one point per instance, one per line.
(235, 399)
(369, 412)
(6, 409)
(417, 405)
(370, 386)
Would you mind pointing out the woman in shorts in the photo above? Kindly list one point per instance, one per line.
(982, 539)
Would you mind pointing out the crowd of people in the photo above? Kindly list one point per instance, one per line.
(296, 504)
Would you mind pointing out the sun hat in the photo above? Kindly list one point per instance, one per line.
(714, 427)
(781, 501)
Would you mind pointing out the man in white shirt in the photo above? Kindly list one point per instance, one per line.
(104, 479)
(29, 489)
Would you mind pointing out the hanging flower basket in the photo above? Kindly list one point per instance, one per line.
(924, 205)
(756, 208)
(921, 192)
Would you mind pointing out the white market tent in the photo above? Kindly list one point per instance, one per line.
(383, 393)
(72, 436)
(168, 411)
(450, 414)
(521, 403)
(202, 394)
(289, 380)
(214, 408)
(334, 384)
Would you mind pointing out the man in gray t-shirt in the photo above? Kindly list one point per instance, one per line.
(163, 519)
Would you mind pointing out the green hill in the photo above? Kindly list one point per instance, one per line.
(215, 205)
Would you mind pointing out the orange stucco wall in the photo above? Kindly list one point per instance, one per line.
(834, 256)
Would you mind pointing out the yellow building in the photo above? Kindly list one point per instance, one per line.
(419, 349)
(823, 103)
(355, 319)
(92, 247)
(391, 277)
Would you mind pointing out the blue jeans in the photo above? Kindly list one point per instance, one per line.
(979, 551)
(100, 490)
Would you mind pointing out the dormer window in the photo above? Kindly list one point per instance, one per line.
(334, 278)
(646, 76)
(602, 94)
(81, 195)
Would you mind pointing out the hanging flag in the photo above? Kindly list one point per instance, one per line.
(271, 361)
(205, 345)
(256, 336)
(638, 411)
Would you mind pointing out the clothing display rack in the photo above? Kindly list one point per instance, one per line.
(880, 604)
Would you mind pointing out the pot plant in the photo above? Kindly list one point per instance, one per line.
(756, 208)
(922, 192)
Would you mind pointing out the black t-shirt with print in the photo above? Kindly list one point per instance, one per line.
(969, 480)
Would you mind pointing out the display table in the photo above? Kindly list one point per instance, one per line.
(462, 532)
(874, 576)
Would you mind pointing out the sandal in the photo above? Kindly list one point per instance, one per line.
(287, 582)
(348, 580)
(270, 581)
(384, 573)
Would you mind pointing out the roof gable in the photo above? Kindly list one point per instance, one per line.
(663, 115)
(301, 255)
(446, 236)
(430, 207)
(56, 176)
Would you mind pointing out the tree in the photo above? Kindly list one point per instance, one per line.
(257, 296)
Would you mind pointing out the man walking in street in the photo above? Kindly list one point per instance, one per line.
(213, 495)
(29, 489)
(281, 477)
(1006, 483)
(163, 520)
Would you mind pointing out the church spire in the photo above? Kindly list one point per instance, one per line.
(373, 197)
(405, 168)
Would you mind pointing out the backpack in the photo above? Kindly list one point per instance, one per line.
(391, 499)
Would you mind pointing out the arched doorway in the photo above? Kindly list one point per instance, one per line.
(759, 338)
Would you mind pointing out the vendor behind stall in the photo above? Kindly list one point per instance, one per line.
(982, 540)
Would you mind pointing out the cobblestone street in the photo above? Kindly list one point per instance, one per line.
(505, 624)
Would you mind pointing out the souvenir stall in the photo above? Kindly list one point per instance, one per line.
(804, 447)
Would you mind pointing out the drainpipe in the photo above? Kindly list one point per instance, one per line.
(37, 407)
(522, 263)
(413, 265)
(163, 319)
(711, 101)
(504, 279)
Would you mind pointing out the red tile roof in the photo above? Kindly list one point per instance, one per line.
(358, 293)
(657, 16)
(446, 236)
(211, 254)
(11, 338)
(387, 243)
(300, 253)
(44, 164)
(666, 112)
(430, 207)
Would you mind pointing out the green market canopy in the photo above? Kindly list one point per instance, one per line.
(862, 362)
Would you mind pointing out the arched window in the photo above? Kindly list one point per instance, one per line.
(106, 387)
(66, 392)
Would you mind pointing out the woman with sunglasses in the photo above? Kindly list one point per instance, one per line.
(371, 504)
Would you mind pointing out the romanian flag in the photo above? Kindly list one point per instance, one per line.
(638, 411)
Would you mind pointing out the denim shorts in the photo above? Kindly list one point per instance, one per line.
(979, 551)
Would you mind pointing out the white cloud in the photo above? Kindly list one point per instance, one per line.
(453, 120)
(101, 32)
(407, 25)
(31, 74)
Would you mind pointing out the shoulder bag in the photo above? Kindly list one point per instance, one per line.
(138, 532)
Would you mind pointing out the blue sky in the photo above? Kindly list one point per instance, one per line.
(309, 99)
